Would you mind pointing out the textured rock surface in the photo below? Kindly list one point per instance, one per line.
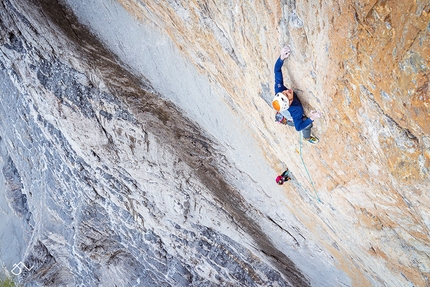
(115, 186)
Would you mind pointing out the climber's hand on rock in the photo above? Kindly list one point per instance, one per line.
(285, 52)
(315, 115)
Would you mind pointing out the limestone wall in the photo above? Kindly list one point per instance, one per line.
(139, 147)
(365, 66)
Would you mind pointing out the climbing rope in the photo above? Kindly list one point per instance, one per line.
(310, 179)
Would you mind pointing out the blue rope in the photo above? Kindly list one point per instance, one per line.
(310, 179)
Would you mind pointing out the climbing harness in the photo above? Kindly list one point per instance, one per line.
(310, 179)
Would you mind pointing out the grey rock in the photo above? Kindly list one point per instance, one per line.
(118, 188)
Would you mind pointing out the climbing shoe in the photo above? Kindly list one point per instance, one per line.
(312, 140)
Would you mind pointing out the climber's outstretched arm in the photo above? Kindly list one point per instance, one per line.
(279, 79)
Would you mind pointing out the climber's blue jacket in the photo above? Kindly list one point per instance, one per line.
(296, 108)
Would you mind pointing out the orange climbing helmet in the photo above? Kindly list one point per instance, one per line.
(280, 102)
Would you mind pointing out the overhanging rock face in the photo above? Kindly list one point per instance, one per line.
(138, 148)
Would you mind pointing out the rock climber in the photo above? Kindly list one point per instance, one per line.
(285, 176)
(288, 105)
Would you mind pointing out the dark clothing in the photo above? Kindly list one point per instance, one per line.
(279, 80)
(307, 130)
(285, 176)
(296, 108)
